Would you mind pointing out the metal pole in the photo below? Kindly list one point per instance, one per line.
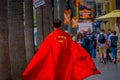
(69, 28)
(58, 8)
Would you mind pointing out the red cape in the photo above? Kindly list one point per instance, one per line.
(60, 58)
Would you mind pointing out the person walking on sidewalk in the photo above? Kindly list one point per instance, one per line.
(102, 45)
(109, 51)
(113, 45)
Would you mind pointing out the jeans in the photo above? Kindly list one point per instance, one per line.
(108, 53)
(94, 52)
(114, 53)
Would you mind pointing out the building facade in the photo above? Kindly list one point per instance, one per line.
(103, 7)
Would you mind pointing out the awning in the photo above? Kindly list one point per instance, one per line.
(113, 14)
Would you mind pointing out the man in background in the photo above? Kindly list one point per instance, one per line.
(102, 46)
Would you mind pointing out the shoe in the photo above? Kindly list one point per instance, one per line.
(111, 60)
(114, 62)
(104, 60)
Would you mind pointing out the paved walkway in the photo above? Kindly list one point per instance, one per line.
(109, 71)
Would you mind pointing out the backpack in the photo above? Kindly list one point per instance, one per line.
(101, 38)
(87, 41)
(114, 40)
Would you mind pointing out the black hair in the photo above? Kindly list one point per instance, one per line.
(57, 23)
(114, 32)
(102, 30)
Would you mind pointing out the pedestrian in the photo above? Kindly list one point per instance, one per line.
(89, 36)
(94, 51)
(79, 36)
(109, 51)
(102, 45)
(118, 48)
(60, 58)
(85, 43)
(113, 45)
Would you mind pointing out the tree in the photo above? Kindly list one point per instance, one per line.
(4, 45)
(29, 29)
(16, 38)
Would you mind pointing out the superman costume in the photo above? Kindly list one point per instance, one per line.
(60, 58)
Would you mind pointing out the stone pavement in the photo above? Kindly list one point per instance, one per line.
(109, 71)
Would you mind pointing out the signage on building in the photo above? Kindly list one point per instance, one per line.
(38, 3)
(83, 27)
(67, 17)
(74, 22)
(85, 14)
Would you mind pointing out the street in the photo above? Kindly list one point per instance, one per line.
(109, 71)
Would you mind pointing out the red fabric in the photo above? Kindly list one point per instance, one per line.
(60, 58)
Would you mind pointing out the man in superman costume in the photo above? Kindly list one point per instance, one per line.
(60, 58)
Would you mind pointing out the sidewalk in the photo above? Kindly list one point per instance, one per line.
(109, 71)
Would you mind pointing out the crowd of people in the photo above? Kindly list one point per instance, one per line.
(102, 46)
